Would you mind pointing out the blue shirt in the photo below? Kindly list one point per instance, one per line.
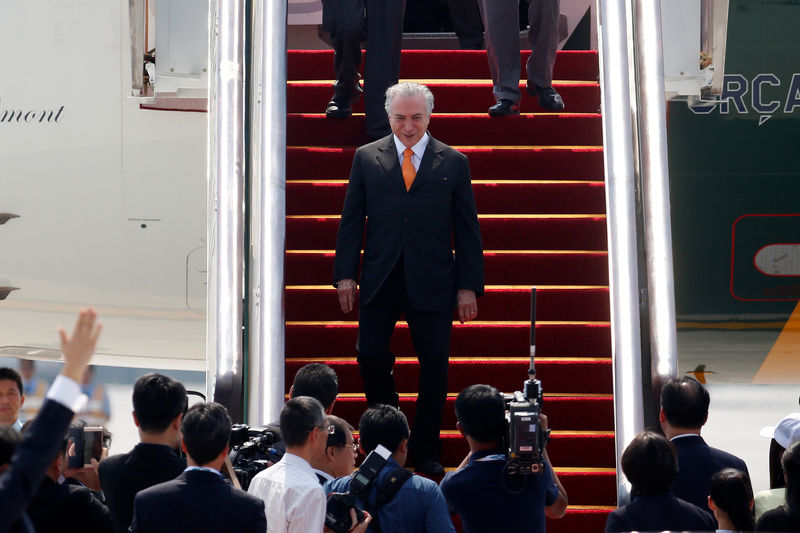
(477, 493)
(418, 506)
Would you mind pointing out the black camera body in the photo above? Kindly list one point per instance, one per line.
(252, 451)
(337, 512)
(525, 437)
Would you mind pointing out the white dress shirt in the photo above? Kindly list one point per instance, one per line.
(418, 149)
(294, 501)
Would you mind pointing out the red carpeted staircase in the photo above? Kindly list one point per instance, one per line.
(538, 182)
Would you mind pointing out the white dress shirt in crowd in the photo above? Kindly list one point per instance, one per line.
(294, 501)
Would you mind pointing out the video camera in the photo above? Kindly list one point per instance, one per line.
(525, 439)
(252, 451)
(337, 513)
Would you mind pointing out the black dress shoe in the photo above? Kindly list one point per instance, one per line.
(503, 108)
(548, 97)
(429, 467)
(338, 109)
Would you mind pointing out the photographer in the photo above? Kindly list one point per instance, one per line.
(159, 403)
(340, 452)
(479, 490)
(418, 505)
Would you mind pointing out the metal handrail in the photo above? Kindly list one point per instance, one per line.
(266, 335)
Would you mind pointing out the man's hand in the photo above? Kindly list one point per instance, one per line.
(79, 347)
(346, 289)
(467, 305)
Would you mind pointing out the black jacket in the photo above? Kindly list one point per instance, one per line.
(424, 224)
(64, 508)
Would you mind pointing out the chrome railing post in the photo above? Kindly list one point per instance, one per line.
(268, 212)
(618, 119)
(225, 208)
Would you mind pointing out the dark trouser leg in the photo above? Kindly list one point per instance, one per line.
(382, 65)
(376, 323)
(501, 23)
(344, 19)
(543, 37)
(430, 331)
(466, 20)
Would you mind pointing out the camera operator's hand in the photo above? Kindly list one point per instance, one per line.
(88, 476)
(357, 527)
(543, 422)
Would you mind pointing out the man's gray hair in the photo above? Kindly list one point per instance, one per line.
(409, 88)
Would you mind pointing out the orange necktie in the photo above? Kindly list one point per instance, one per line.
(408, 168)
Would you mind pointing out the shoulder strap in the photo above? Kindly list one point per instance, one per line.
(387, 490)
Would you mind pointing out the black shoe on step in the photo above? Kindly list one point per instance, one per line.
(548, 97)
(338, 109)
(503, 108)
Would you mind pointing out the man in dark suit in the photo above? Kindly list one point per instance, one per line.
(200, 499)
(64, 507)
(31, 458)
(159, 403)
(416, 193)
(349, 22)
(684, 411)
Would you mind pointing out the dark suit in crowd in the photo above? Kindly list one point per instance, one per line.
(124, 475)
(409, 267)
(697, 462)
(661, 512)
(198, 501)
(382, 26)
(30, 462)
(62, 508)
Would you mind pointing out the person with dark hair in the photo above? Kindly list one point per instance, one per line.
(340, 452)
(415, 504)
(58, 507)
(319, 381)
(159, 403)
(41, 442)
(423, 259)
(200, 500)
(684, 411)
(11, 398)
(787, 516)
(478, 491)
(650, 464)
(293, 498)
(781, 437)
(731, 500)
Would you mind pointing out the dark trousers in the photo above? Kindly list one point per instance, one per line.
(430, 333)
(382, 25)
(466, 19)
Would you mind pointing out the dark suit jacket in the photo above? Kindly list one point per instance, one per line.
(30, 461)
(423, 224)
(697, 462)
(662, 512)
(123, 475)
(197, 501)
(64, 508)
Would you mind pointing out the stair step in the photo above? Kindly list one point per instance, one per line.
(414, 64)
(531, 267)
(585, 413)
(491, 161)
(451, 96)
(575, 339)
(519, 232)
(498, 303)
(583, 375)
(308, 197)
(580, 520)
(583, 129)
